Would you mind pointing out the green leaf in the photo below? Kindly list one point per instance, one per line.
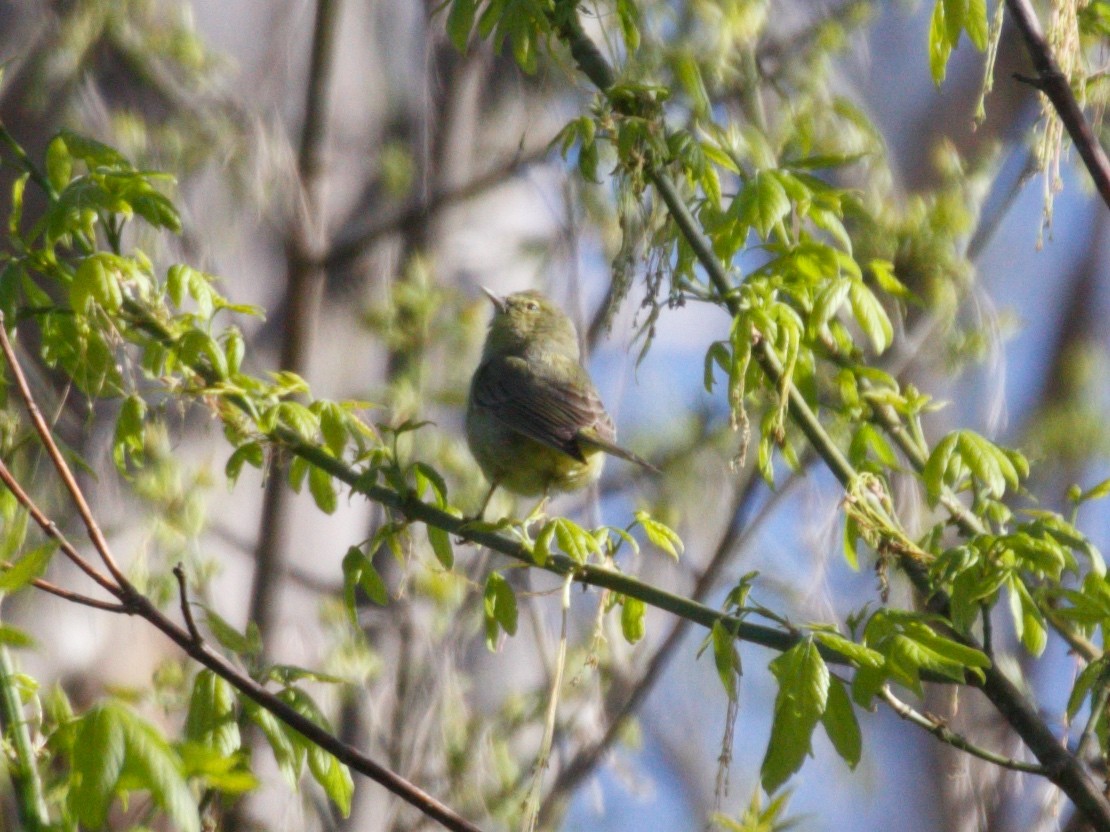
(871, 316)
(1084, 682)
(15, 637)
(660, 534)
(976, 24)
(726, 658)
(441, 546)
(949, 650)
(152, 765)
(859, 654)
(632, 619)
(1028, 621)
(717, 354)
(541, 549)
(98, 279)
(288, 755)
(333, 777)
(841, 724)
(322, 488)
(851, 536)
(300, 419)
(575, 541)
(763, 203)
(499, 604)
(426, 476)
(246, 644)
(359, 572)
(98, 756)
(59, 163)
(212, 720)
(250, 453)
(27, 568)
(803, 693)
(940, 47)
(460, 22)
(936, 467)
(333, 427)
(1097, 492)
(130, 430)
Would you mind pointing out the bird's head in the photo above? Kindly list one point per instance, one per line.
(529, 322)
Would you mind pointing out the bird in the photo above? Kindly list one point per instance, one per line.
(535, 422)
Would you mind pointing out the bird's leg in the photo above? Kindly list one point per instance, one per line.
(481, 512)
(476, 518)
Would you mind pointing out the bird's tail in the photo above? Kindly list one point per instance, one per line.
(596, 442)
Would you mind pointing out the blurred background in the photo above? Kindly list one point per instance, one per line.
(342, 166)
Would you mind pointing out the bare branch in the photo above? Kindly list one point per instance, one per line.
(47, 437)
(1055, 85)
(939, 730)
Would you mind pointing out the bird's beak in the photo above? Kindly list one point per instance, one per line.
(497, 300)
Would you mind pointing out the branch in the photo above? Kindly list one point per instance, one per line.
(95, 534)
(343, 252)
(939, 730)
(1055, 85)
(303, 296)
(134, 603)
(189, 640)
(22, 767)
(47, 525)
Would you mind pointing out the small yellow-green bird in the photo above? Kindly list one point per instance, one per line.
(534, 420)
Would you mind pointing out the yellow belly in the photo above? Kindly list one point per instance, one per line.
(523, 465)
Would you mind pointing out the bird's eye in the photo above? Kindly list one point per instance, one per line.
(532, 306)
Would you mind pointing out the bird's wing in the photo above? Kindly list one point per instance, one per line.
(550, 402)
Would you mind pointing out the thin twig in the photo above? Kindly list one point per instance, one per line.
(95, 534)
(1090, 735)
(343, 252)
(1057, 87)
(186, 609)
(76, 597)
(939, 730)
(51, 530)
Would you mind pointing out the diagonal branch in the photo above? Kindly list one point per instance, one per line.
(43, 429)
(946, 735)
(1055, 85)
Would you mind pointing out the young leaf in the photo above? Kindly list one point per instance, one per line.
(726, 658)
(98, 756)
(632, 619)
(212, 719)
(499, 603)
(841, 724)
(322, 488)
(660, 534)
(441, 546)
(27, 568)
(803, 693)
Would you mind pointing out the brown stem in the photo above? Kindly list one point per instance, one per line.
(43, 429)
(51, 530)
(186, 610)
(304, 294)
(1055, 85)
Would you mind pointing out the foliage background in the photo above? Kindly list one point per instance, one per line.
(217, 95)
